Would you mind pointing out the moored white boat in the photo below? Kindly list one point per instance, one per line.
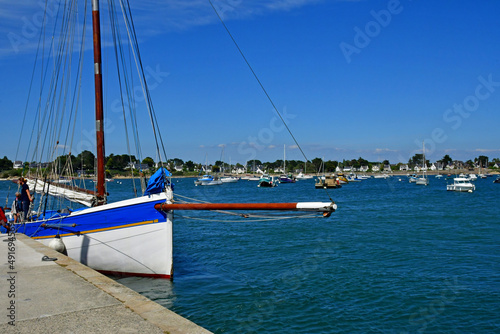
(128, 237)
(423, 180)
(381, 176)
(353, 178)
(229, 179)
(302, 176)
(461, 184)
(208, 180)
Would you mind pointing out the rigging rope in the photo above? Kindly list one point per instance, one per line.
(250, 220)
(258, 80)
(262, 87)
(129, 23)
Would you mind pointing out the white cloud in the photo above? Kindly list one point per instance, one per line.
(483, 150)
(20, 21)
(382, 150)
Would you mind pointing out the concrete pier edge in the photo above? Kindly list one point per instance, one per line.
(155, 314)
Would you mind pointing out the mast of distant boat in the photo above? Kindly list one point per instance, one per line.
(424, 174)
(284, 159)
(99, 115)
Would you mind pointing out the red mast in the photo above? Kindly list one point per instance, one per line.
(99, 115)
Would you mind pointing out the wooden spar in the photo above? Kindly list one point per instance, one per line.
(99, 115)
(314, 206)
(65, 186)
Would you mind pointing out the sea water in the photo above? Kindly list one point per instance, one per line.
(394, 258)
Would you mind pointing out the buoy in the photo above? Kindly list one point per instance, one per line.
(470, 190)
(58, 245)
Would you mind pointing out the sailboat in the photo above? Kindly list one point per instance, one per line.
(286, 178)
(128, 237)
(423, 180)
(253, 177)
(207, 179)
(480, 174)
(304, 176)
(228, 178)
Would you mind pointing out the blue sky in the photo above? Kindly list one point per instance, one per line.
(371, 79)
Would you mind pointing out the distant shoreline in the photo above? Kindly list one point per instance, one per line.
(393, 173)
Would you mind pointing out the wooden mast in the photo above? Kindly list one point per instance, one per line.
(325, 208)
(99, 115)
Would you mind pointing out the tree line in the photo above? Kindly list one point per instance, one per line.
(85, 161)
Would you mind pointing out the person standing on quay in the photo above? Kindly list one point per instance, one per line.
(17, 208)
(26, 198)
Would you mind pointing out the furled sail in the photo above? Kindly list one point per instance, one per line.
(78, 195)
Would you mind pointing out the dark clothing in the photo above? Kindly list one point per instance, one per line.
(25, 200)
(26, 208)
(24, 193)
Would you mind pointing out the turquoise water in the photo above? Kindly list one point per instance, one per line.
(394, 258)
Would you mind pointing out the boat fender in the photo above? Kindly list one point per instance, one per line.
(58, 245)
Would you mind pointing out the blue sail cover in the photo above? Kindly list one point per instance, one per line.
(156, 183)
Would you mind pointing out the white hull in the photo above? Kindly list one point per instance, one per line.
(229, 179)
(210, 183)
(138, 247)
(460, 188)
(144, 250)
(461, 185)
(423, 181)
(452, 187)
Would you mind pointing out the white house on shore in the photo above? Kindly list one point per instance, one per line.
(363, 169)
(238, 170)
(137, 166)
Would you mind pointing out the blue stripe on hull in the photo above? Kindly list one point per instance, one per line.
(82, 223)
